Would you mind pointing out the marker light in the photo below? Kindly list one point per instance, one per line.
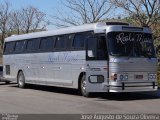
(113, 77)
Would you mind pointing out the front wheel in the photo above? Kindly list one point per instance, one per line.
(83, 87)
(21, 80)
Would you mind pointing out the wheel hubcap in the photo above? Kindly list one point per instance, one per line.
(20, 80)
(84, 86)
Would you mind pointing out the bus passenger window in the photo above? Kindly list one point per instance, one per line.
(29, 45)
(78, 41)
(47, 43)
(69, 39)
(60, 42)
(33, 45)
(9, 47)
(20, 46)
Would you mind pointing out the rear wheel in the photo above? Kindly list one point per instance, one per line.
(7, 82)
(83, 87)
(21, 80)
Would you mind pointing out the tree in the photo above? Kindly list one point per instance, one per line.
(145, 12)
(27, 20)
(4, 15)
(15, 23)
(81, 12)
(21, 21)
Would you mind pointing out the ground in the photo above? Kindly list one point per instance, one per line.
(52, 100)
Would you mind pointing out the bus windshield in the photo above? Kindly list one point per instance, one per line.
(129, 44)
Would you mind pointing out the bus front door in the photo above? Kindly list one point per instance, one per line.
(96, 64)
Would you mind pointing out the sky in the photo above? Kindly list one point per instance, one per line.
(46, 6)
(49, 7)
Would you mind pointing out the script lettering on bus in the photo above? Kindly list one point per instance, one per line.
(64, 57)
(124, 38)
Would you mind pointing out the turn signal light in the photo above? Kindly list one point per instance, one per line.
(113, 77)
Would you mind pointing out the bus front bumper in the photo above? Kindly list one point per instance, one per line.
(132, 87)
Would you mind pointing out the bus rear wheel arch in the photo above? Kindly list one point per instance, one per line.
(21, 79)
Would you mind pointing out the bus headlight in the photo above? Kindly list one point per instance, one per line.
(123, 77)
(152, 76)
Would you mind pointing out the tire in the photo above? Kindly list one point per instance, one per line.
(83, 87)
(21, 80)
(7, 82)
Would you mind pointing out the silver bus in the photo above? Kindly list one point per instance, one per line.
(98, 57)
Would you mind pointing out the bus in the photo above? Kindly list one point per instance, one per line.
(97, 57)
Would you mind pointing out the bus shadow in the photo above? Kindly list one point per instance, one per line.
(128, 96)
(4, 83)
(60, 90)
(100, 96)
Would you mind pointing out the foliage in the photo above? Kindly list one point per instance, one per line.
(81, 12)
(21, 21)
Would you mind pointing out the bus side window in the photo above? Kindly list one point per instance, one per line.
(91, 47)
(78, 41)
(47, 43)
(60, 42)
(97, 48)
(9, 47)
(29, 45)
(69, 39)
(20, 46)
(33, 45)
(101, 48)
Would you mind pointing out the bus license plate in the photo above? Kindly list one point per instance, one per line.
(138, 76)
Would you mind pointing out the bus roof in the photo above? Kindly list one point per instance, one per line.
(67, 30)
(99, 27)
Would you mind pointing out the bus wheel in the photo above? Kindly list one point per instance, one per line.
(7, 82)
(83, 87)
(21, 80)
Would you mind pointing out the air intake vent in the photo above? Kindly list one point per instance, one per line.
(116, 23)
